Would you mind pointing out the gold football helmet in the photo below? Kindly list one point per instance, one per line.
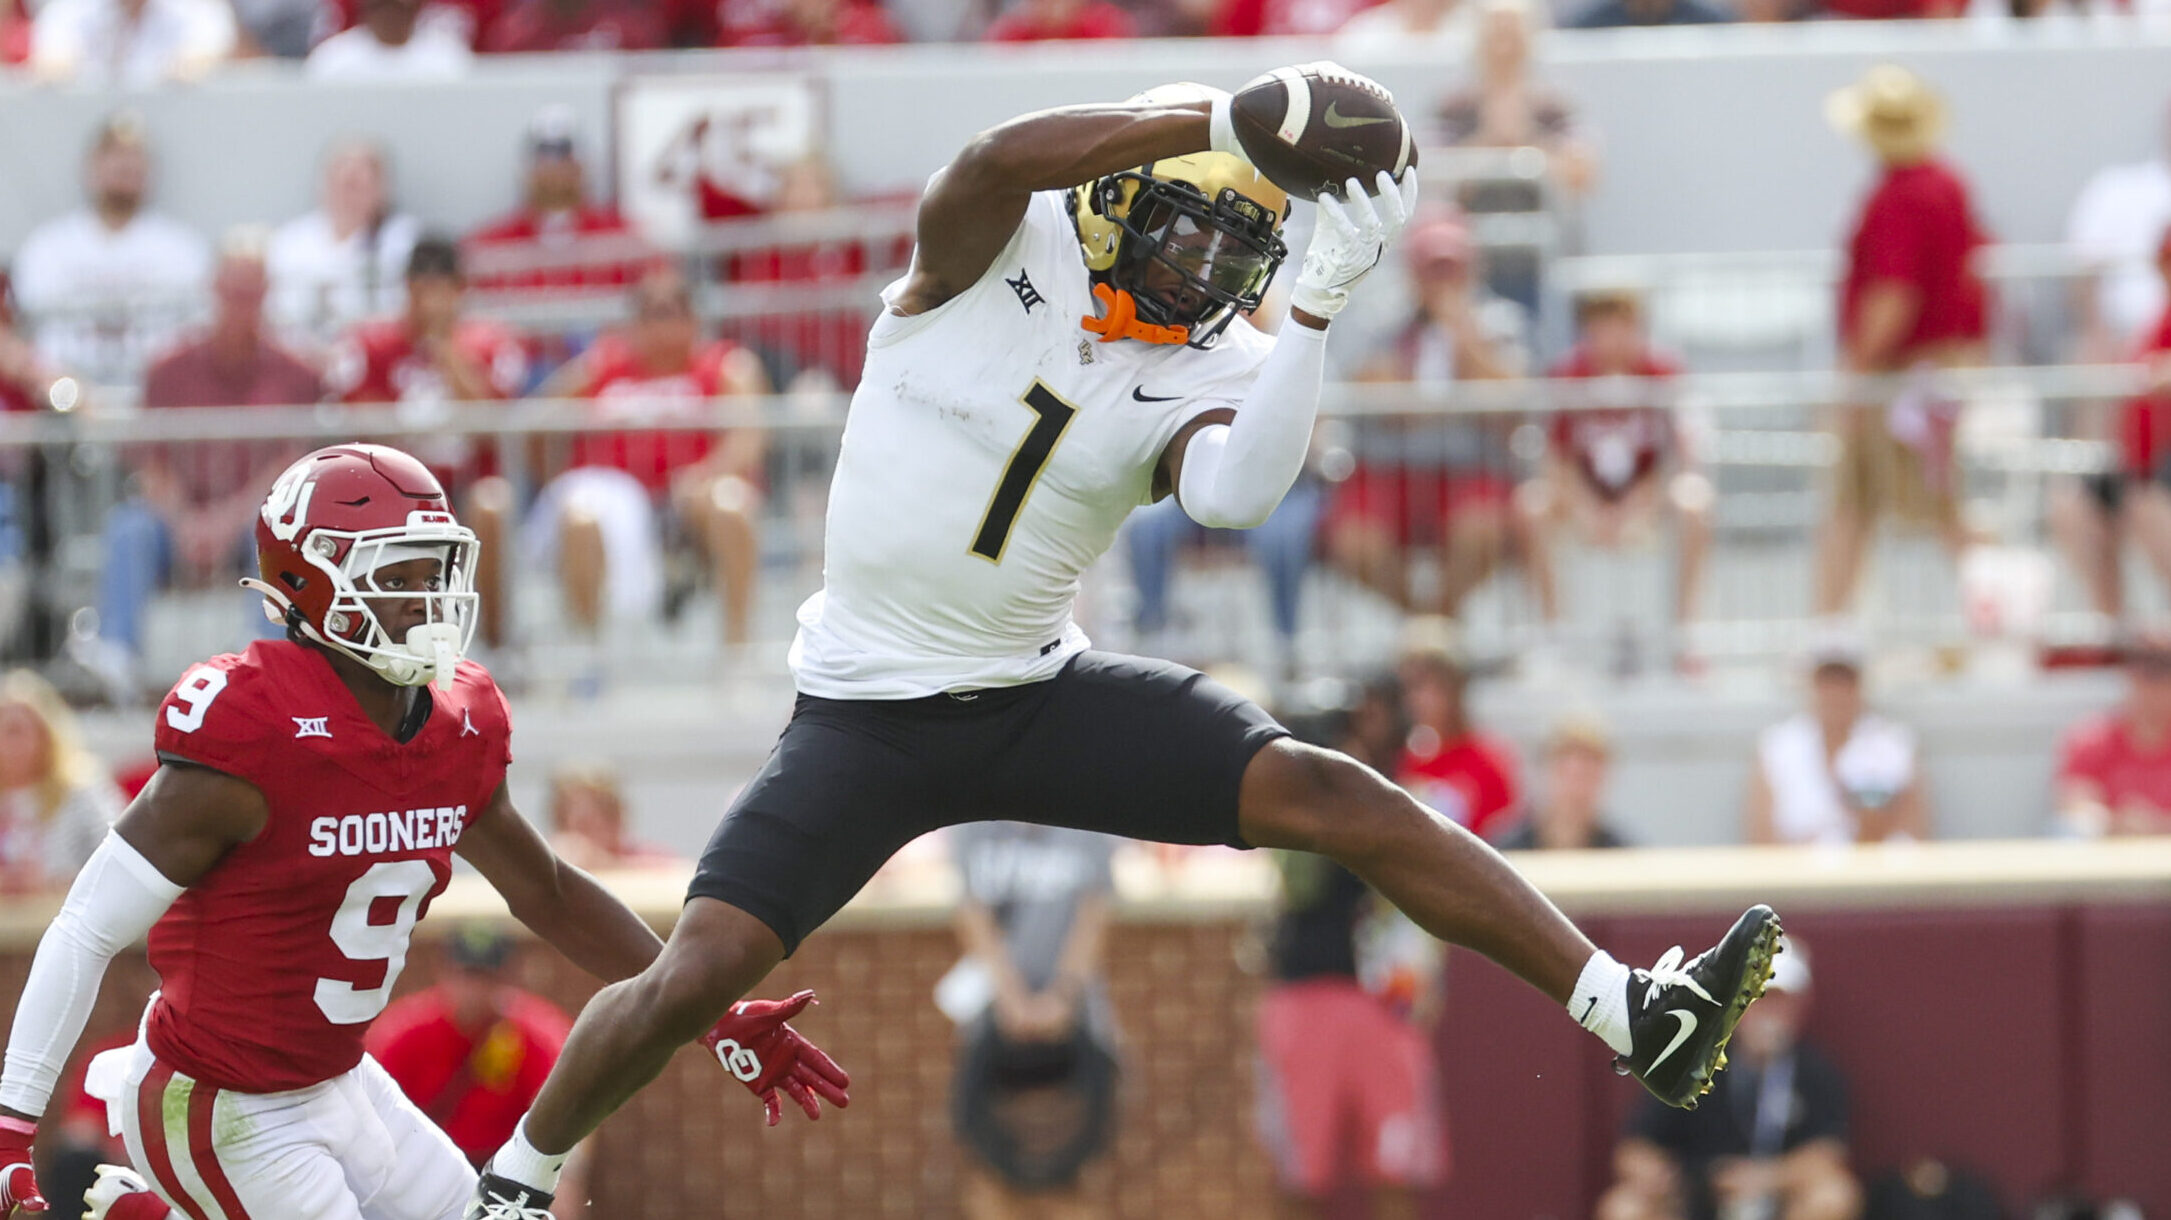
(1194, 240)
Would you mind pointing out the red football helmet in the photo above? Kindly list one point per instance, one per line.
(331, 522)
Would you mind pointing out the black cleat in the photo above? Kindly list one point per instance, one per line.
(499, 1198)
(1681, 1016)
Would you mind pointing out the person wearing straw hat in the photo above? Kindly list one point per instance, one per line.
(1911, 303)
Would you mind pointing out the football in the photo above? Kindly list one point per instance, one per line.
(1313, 127)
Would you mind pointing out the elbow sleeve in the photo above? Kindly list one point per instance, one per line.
(112, 905)
(1235, 474)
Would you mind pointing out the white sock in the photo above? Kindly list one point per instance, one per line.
(1600, 1002)
(523, 1163)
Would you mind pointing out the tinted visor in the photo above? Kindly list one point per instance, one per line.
(1193, 262)
(1224, 261)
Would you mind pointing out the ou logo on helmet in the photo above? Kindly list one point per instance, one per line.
(738, 1060)
(286, 509)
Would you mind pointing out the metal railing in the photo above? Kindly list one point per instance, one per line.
(1759, 439)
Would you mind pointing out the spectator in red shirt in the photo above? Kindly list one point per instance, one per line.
(192, 517)
(578, 243)
(1280, 18)
(1443, 483)
(1616, 461)
(588, 821)
(1468, 776)
(600, 517)
(421, 362)
(2094, 517)
(804, 23)
(530, 26)
(473, 1050)
(1060, 20)
(1911, 303)
(2114, 770)
(14, 33)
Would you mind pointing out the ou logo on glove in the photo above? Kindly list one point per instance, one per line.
(738, 1060)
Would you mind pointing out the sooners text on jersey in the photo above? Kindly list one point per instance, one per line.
(274, 963)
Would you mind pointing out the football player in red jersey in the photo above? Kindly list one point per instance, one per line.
(312, 793)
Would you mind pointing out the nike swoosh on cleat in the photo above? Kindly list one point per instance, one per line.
(1139, 392)
(1688, 1026)
(1336, 118)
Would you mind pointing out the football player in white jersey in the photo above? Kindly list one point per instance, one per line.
(1068, 344)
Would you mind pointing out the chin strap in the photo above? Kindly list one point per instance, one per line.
(1122, 320)
(277, 605)
(440, 639)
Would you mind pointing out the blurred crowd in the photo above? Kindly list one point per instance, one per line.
(641, 508)
(147, 42)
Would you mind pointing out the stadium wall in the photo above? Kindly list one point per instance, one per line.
(1999, 1006)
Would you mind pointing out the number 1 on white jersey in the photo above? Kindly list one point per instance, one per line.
(1023, 471)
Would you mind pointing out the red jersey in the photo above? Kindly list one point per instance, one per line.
(377, 363)
(531, 26)
(1471, 780)
(474, 1087)
(1093, 19)
(2144, 422)
(1615, 446)
(768, 23)
(2102, 751)
(627, 396)
(543, 231)
(1919, 227)
(273, 964)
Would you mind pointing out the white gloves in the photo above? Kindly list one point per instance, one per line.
(1350, 236)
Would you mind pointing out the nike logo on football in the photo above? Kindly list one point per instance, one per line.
(1336, 118)
(1139, 392)
(1688, 1026)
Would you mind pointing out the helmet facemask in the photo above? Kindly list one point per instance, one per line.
(354, 564)
(1190, 261)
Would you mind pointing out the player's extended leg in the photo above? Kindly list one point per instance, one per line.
(1440, 875)
(1668, 1024)
(630, 1030)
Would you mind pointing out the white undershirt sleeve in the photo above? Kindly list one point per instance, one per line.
(1235, 474)
(112, 905)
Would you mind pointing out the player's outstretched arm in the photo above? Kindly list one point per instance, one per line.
(973, 205)
(177, 828)
(567, 908)
(1230, 473)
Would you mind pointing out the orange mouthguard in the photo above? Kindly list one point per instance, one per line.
(1122, 320)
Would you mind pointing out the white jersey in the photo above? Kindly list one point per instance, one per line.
(993, 449)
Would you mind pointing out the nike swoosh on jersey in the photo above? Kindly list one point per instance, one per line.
(1139, 392)
(1335, 118)
(1688, 1026)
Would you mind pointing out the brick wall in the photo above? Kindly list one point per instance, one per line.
(692, 1146)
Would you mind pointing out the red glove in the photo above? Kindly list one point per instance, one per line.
(18, 1184)
(755, 1045)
